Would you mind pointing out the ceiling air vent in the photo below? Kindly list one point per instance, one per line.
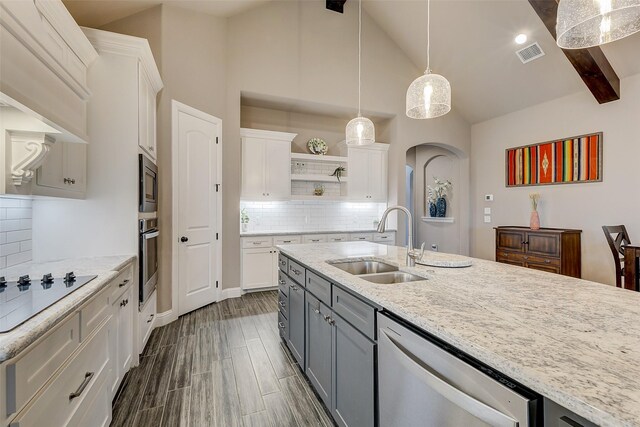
(529, 53)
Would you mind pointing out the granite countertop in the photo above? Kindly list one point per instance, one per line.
(16, 340)
(573, 341)
(291, 233)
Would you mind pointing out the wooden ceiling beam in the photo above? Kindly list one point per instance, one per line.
(591, 64)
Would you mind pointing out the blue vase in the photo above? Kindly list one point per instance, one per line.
(441, 207)
(432, 209)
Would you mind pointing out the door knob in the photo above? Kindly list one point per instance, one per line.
(184, 239)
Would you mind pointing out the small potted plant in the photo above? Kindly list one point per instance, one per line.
(438, 192)
(244, 220)
(534, 221)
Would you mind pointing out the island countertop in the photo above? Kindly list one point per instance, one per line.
(19, 338)
(573, 341)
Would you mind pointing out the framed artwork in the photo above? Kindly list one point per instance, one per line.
(564, 161)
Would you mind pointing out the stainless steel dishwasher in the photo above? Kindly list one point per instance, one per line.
(425, 382)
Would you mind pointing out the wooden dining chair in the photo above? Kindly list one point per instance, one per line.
(617, 237)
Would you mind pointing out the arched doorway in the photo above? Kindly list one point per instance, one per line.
(449, 234)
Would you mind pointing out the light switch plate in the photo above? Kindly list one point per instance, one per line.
(488, 197)
(487, 219)
(487, 211)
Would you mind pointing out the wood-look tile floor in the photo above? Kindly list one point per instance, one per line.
(222, 365)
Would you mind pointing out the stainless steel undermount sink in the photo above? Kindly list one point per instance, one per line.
(392, 277)
(364, 267)
(376, 272)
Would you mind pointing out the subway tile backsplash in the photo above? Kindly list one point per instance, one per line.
(15, 232)
(311, 216)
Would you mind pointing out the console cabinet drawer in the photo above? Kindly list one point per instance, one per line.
(30, 372)
(296, 272)
(257, 242)
(360, 314)
(283, 303)
(94, 313)
(65, 395)
(319, 287)
(120, 283)
(283, 263)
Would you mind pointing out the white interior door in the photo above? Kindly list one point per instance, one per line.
(198, 207)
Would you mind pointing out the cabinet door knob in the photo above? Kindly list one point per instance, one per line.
(316, 311)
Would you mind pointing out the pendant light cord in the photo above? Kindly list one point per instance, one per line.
(359, 51)
(428, 36)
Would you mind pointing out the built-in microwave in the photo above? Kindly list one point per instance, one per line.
(148, 185)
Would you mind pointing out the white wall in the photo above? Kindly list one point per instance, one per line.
(105, 223)
(586, 206)
(15, 231)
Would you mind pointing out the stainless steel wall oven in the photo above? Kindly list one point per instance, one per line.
(148, 258)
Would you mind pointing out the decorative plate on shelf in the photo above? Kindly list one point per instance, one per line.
(317, 146)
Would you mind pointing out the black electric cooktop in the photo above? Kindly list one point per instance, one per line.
(22, 299)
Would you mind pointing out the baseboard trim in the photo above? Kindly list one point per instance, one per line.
(164, 318)
(231, 293)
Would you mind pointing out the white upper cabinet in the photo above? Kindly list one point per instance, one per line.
(367, 172)
(64, 172)
(146, 114)
(266, 164)
(40, 40)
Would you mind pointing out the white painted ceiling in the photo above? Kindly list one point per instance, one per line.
(96, 13)
(471, 45)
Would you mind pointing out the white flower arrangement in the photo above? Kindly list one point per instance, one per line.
(440, 189)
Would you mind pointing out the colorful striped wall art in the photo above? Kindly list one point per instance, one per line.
(564, 161)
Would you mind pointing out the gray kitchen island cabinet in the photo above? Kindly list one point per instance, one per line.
(353, 371)
(296, 321)
(319, 347)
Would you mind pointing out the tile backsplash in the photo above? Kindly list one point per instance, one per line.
(15, 231)
(311, 215)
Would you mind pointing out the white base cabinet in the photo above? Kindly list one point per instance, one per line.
(146, 321)
(67, 377)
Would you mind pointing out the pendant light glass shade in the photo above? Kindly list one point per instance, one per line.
(428, 96)
(360, 131)
(587, 23)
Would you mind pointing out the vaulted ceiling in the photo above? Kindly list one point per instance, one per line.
(472, 44)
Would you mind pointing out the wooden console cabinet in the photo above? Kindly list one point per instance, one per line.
(554, 250)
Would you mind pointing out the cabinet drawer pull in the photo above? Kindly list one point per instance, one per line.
(286, 241)
(281, 303)
(332, 322)
(296, 272)
(316, 311)
(123, 283)
(85, 383)
(295, 288)
(326, 317)
(282, 282)
(283, 262)
(257, 243)
(150, 318)
(280, 325)
(547, 261)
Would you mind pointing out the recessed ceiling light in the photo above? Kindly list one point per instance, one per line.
(521, 38)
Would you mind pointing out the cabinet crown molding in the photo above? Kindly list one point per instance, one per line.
(267, 134)
(121, 44)
(29, 150)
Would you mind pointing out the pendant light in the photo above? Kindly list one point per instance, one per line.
(587, 23)
(360, 131)
(429, 95)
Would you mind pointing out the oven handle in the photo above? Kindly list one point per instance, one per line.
(147, 236)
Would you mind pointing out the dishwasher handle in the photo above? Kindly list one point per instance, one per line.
(446, 390)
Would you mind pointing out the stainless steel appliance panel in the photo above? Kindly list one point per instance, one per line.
(422, 384)
(149, 234)
(148, 185)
